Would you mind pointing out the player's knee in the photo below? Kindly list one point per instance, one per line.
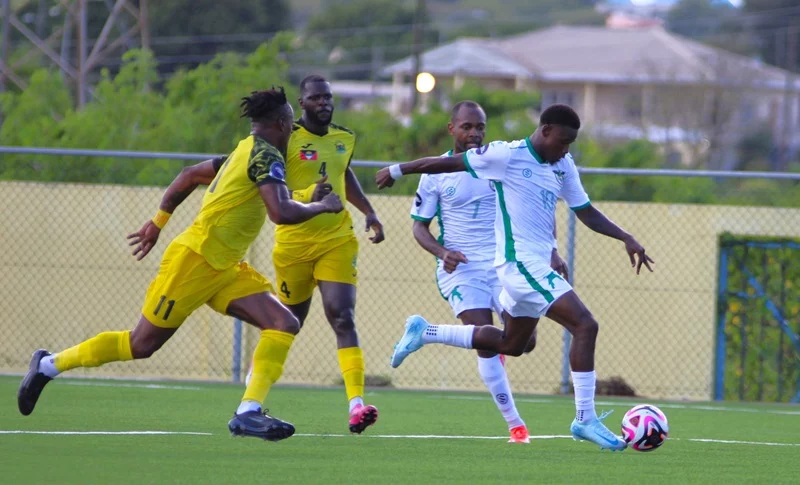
(531, 344)
(512, 348)
(143, 349)
(587, 325)
(343, 320)
(287, 322)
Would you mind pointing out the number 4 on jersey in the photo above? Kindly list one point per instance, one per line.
(323, 169)
(285, 290)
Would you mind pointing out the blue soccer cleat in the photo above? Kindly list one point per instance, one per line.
(411, 341)
(596, 432)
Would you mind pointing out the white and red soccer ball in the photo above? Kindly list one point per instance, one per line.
(645, 427)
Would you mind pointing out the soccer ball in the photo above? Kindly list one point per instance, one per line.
(644, 427)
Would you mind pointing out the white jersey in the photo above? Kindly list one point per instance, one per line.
(465, 209)
(527, 191)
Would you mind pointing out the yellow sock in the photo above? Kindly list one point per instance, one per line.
(268, 358)
(98, 350)
(351, 361)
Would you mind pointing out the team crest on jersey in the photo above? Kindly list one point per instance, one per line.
(559, 175)
(308, 155)
(527, 173)
(450, 191)
(340, 148)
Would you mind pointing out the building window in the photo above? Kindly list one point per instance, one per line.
(554, 96)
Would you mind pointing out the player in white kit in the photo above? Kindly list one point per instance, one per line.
(464, 208)
(529, 175)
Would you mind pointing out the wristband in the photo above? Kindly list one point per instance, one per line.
(161, 218)
(395, 171)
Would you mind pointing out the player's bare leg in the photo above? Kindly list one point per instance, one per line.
(278, 329)
(513, 340)
(570, 312)
(339, 302)
(493, 373)
(101, 349)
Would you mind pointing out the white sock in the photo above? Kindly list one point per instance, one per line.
(584, 383)
(453, 335)
(246, 406)
(47, 366)
(494, 376)
(355, 402)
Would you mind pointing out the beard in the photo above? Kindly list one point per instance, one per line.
(315, 118)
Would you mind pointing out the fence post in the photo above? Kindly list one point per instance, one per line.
(571, 266)
(722, 289)
(236, 361)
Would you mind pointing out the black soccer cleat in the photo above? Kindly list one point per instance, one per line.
(259, 424)
(32, 384)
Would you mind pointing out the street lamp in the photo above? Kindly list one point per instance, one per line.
(425, 82)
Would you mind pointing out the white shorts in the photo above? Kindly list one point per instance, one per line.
(530, 288)
(471, 286)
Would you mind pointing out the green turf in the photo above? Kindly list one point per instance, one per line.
(72, 405)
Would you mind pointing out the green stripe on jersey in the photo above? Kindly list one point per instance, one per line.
(469, 168)
(510, 251)
(534, 284)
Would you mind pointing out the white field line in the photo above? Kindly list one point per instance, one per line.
(698, 407)
(385, 436)
(107, 433)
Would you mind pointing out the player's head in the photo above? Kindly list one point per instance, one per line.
(558, 128)
(270, 115)
(467, 125)
(316, 99)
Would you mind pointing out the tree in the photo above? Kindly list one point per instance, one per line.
(772, 19)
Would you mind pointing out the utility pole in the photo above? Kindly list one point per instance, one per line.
(417, 34)
(67, 46)
(789, 94)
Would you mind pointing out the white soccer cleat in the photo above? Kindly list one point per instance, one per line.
(411, 341)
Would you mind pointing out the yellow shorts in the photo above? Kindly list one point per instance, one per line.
(185, 281)
(298, 267)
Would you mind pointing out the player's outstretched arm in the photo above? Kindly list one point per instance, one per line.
(181, 187)
(356, 196)
(451, 259)
(387, 175)
(283, 210)
(595, 220)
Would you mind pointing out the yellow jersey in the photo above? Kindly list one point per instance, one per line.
(233, 211)
(309, 158)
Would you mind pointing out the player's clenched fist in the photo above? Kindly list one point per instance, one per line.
(383, 178)
(332, 203)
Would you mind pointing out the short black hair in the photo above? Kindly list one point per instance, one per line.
(311, 79)
(560, 114)
(461, 104)
(264, 105)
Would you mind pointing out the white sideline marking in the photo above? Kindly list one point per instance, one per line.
(107, 433)
(124, 384)
(736, 442)
(698, 407)
(533, 437)
(430, 436)
(384, 436)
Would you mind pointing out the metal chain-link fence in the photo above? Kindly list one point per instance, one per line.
(67, 274)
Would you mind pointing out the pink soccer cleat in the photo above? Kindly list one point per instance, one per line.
(362, 417)
(520, 435)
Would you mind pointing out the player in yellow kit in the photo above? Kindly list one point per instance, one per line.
(323, 251)
(203, 266)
